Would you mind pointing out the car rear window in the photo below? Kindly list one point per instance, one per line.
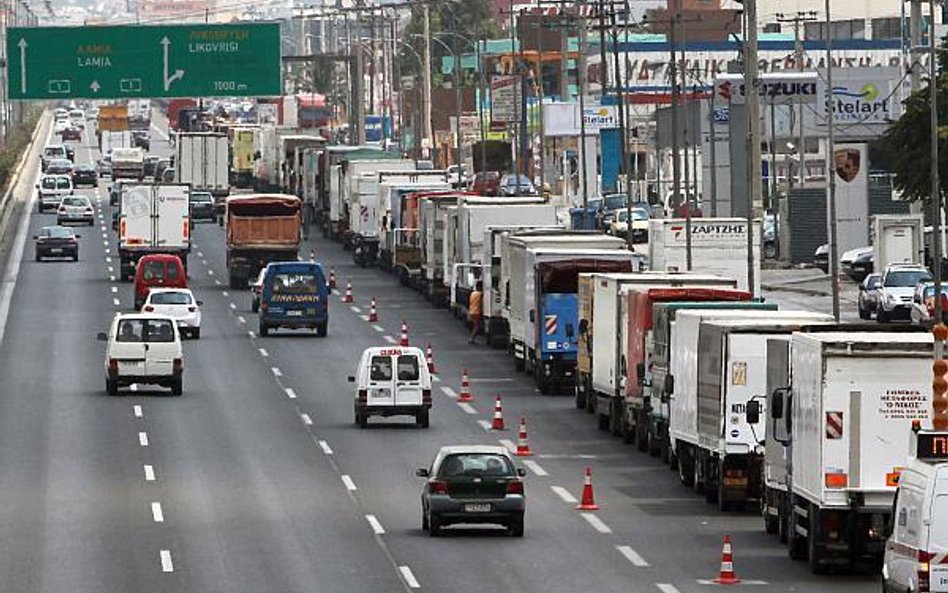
(381, 368)
(63, 184)
(476, 465)
(57, 232)
(130, 330)
(159, 330)
(293, 283)
(170, 298)
(407, 367)
(153, 270)
(74, 201)
(49, 183)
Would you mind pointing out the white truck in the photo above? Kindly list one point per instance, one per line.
(718, 246)
(202, 160)
(717, 447)
(846, 420)
(110, 140)
(897, 239)
(433, 222)
(352, 176)
(153, 219)
(543, 307)
(128, 163)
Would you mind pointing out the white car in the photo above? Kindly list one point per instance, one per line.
(52, 189)
(180, 305)
(392, 381)
(898, 288)
(75, 209)
(60, 124)
(143, 348)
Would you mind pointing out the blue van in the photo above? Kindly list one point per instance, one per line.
(294, 295)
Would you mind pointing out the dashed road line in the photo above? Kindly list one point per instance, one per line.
(535, 467)
(306, 419)
(290, 393)
(565, 494)
(157, 514)
(376, 525)
(149, 473)
(484, 424)
(667, 588)
(112, 278)
(241, 319)
(364, 317)
(632, 556)
(378, 328)
(117, 302)
(225, 293)
(390, 340)
(449, 392)
(325, 447)
(232, 306)
(347, 480)
(210, 272)
(143, 439)
(409, 577)
(251, 334)
(596, 523)
(263, 352)
(468, 408)
(133, 387)
(137, 410)
(115, 289)
(276, 371)
(508, 444)
(217, 282)
(166, 564)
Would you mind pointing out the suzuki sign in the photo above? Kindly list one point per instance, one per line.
(785, 88)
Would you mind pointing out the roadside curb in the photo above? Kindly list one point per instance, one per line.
(803, 291)
(9, 201)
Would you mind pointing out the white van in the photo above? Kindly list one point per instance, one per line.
(143, 348)
(916, 553)
(392, 381)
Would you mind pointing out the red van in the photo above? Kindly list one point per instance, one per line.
(157, 270)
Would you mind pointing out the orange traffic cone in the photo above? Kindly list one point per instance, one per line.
(429, 358)
(348, 297)
(588, 502)
(498, 422)
(403, 339)
(465, 395)
(523, 446)
(373, 312)
(332, 278)
(726, 576)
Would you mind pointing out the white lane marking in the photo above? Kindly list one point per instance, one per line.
(263, 352)
(204, 261)
(104, 236)
(290, 393)
(116, 302)
(232, 306)
(449, 392)
(276, 371)
(325, 447)
(137, 410)
(112, 278)
(484, 424)
(468, 408)
(409, 577)
(200, 254)
(225, 293)
(535, 467)
(251, 334)
(241, 319)
(355, 309)
(565, 494)
(111, 269)
(149, 473)
(210, 272)
(364, 317)
(108, 260)
(115, 289)
(143, 439)
(217, 282)
(133, 387)
(156, 512)
(596, 523)
(378, 328)
(495, 380)
(508, 443)
(347, 480)
(306, 419)
(436, 378)
(376, 525)
(166, 564)
(632, 556)
(666, 588)
(106, 243)
(390, 340)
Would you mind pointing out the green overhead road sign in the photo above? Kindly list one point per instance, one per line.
(144, 61)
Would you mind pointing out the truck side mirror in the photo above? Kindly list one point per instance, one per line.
(776, 403)
(533, 316)
(102, 337)
(422, 472)
(669, 385)
(351, 379)
(569, 330)
(752, 413)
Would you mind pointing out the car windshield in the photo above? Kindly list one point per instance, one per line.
(930, 290)
(906, 278)
(54, 152)
(201, 197)
(594, 204)
(83, 167)
(63, 183)
(294, 283)
(75, 202)
(873, 282)
(476, 465)
(514, 179)
(614, 202)
(637, 214)
(170, 298)
(153, 270)
(57, 232)
(159, 330)
(60, 163)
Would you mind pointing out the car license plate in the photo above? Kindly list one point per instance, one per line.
(56, 250)
(295, 313)
(480, 507)
(131, 366)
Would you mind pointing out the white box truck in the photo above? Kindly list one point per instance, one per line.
(153, 219)
(720, 368)
(202, 160)
(847, 417)
(718, 246)
(897, 239)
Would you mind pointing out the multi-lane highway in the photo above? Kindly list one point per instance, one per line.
(257, 481)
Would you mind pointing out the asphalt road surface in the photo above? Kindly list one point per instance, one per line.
(257, 480)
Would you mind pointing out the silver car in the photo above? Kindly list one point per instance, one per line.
(473, 484)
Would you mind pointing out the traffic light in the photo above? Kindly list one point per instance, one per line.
(940, 380)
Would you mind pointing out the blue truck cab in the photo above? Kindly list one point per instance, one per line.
(294, 295)
(558, 330)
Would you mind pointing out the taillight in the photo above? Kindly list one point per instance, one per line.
(113, 365)
(363, 396)
(186, 228)
(831, 525)
(89, 210)
(148, 308)
(437, 487)
(426, 397)
(177, 365)
(122, 228)
(62, 209)
(515, 487)
(924, 576)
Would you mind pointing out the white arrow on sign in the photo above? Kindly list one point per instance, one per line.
(165, 42)
(22, 44)
(95, 86)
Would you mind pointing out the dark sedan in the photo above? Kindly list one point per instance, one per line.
(141, 139)
(71, 134)
(151, 165)
(59, 167)
(57, 241)
(70, 153)
(84, 174)
(202, 206)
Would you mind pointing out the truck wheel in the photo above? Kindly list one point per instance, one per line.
(421, 419)
(602, 421)
(616, 421)
(322, 329)
(654, 444)
(519, 364)
(771, 523)
(111, 387)
(796, 544)
(641, 433)
(263, 329)
(580, 398)
(176, 387)
(254, 306)
(782, 519)
(686, 471)
(362, 419)
(812, 536)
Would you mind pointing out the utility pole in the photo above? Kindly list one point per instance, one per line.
(798, 54)
(427, 141)
(915, 39)
(831, 169)
(752, 88)
(457, 95)
(936, 189)
(581, 80)
(673, 72)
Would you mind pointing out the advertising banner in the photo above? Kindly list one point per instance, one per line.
(852, 196)
(504, 99)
